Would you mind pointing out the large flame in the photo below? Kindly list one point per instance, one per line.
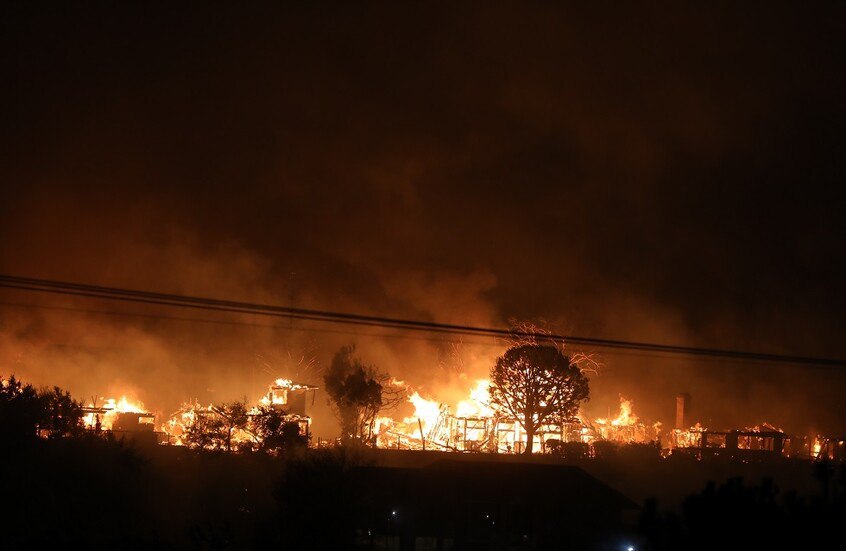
(478, 405)
(109, 410)
(426, 413)
(431, 423)
(475, 424)
(625, 418)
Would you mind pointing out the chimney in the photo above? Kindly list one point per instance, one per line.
(683, 411)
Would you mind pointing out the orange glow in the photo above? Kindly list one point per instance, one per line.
(106, 413)
(473, 424)
(625, 417)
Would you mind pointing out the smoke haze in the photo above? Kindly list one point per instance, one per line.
(675, 181)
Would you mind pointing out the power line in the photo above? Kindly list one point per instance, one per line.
(235, 323)
(488, 342)
(204, 303)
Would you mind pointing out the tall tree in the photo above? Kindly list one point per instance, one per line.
(62, 415)
(25, 412)
(21, 410)
(234, 417)
(537, 384)
(207, 431)
(356, 390)
(276, 432)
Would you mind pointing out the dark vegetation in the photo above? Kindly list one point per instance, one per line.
(271, 431)
(736, 515)
(26, 411)
(95, 493)
(358, 392)
(215, 431)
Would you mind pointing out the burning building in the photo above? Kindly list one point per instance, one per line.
(296, 400)
(472, 425)
(759, 442)
(123, 419)
(227, 427)
(477, 426)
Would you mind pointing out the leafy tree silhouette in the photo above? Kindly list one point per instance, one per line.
(734, 515)
(61, 414)
(24, 411)
(537, 384)
(208, 431)
(356, 390)
(275, 432)
(234, 417)
(21, 410)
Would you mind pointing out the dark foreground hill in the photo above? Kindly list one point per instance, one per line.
(89, 493)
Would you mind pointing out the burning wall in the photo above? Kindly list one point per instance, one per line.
(115, 414)
(471, 424)
(474, 424)
(290, 399)
(128, 418)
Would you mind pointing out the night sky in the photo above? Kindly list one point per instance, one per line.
(647, 171)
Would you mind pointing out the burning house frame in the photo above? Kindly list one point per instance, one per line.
(122, 419)
(126, 419)
(293, 400)
(475, 427)
(754, 443)
(484, 429)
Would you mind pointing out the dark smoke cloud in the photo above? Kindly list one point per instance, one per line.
(658, 173)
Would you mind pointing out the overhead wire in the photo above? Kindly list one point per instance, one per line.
(239, 307)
